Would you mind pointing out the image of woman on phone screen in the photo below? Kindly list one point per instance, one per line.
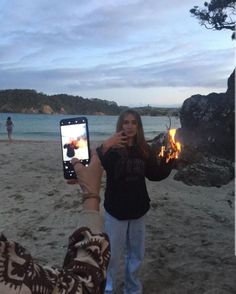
(128, 160)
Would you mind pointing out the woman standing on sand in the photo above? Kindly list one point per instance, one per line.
(128, 159)
(9, 126)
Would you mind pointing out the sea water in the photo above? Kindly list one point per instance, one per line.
(44, 127)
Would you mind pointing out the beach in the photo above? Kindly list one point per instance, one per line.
(190, 239)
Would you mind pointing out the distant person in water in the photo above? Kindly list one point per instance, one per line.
(9, 127)
(71, 148)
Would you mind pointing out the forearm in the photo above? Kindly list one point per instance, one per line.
(92, 203)
(92, 220)
(90, 216)
(105, 146)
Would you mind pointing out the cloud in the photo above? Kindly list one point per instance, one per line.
(83, 45)
(185, 71)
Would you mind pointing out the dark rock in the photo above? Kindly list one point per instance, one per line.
(190, 155)
(231, 85)
(207, 135)
(208, 123)
(208, 172)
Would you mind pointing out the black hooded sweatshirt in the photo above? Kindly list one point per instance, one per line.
(126, 195)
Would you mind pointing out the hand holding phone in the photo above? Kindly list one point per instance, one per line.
(89, 177)
(74, 143)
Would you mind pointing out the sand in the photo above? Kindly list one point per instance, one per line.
(190, 230)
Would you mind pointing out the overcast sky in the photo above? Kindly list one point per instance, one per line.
(133, 52)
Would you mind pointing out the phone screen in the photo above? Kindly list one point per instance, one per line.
(74, 143)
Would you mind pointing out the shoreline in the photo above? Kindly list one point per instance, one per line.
(42, 141)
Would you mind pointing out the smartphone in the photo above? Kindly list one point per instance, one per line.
(75, 143)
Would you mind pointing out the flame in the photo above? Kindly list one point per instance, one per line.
(82, 143)
(174, 148)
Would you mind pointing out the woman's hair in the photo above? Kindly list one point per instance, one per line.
(139, 139)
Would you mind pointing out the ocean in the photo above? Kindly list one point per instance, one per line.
(45, 127)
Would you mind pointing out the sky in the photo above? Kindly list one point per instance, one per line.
(132, 52)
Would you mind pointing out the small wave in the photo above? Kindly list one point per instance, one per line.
(153, 132)
(38, 136)
(39, 133)
(100, 133)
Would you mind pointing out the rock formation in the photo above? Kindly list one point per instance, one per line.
(207, 122)
(208, 136)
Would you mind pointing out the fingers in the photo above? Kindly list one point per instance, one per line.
(78, 166)
(118, 138)
(122, 138)
(75, 161)
(89, 177)
(120, 133)
(94, 156)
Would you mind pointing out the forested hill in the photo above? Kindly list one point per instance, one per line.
(30, 101)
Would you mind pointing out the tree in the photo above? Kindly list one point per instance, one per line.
(217, 15)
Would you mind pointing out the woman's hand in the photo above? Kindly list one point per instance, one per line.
(89, 177)
(118, 140)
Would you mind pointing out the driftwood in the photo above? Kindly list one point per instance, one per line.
(161, 140)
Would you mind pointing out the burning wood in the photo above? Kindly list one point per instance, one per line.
(172, 148)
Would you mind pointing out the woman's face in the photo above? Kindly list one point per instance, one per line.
(130, 126)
